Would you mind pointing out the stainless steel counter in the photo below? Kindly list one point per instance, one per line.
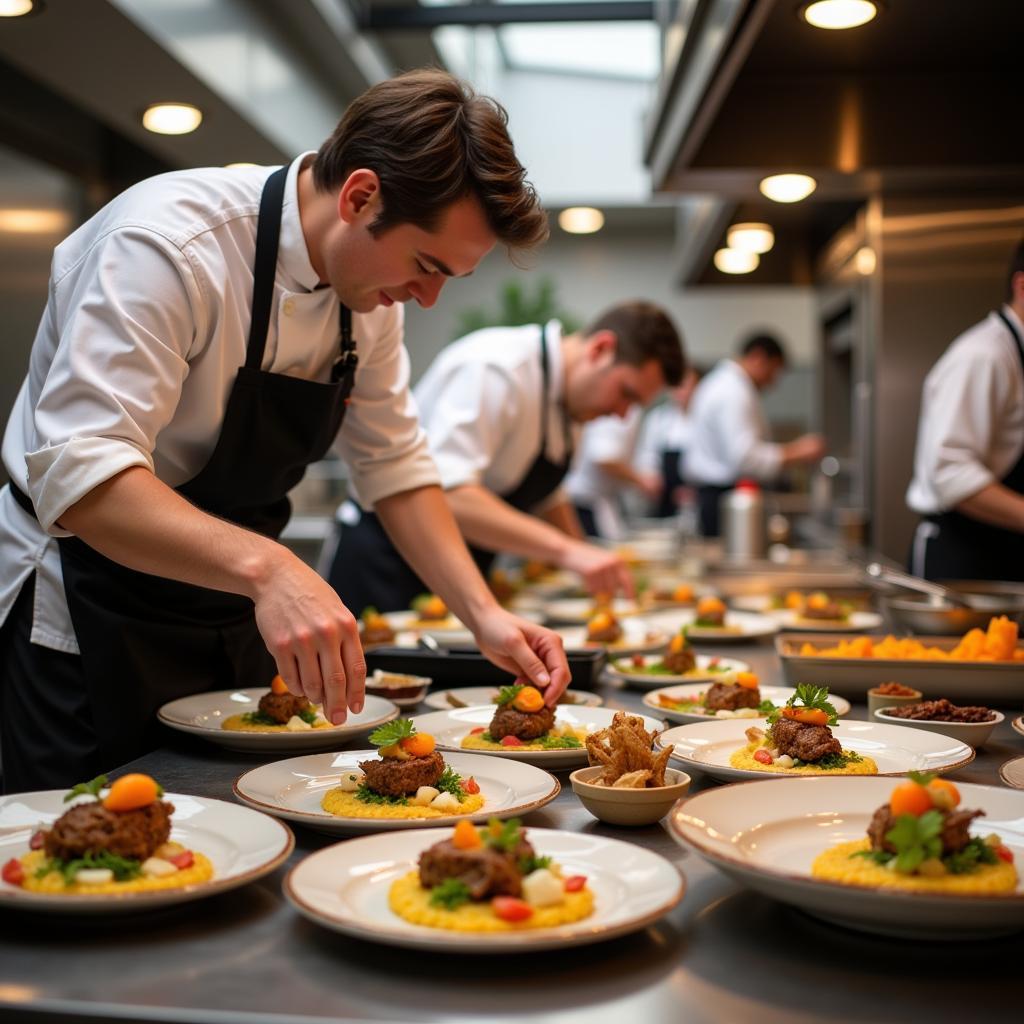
(724, 954)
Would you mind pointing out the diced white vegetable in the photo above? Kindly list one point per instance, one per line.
(296, 724)
(725, 713)
(350, 781)
(542, 889)
(94, 876)
(747, 713)
(444, 802)
(775, 752)
(157, 867)
(168, 850)
(785, 761)
(424, 796)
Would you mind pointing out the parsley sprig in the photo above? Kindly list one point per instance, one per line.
(92, 788)
(507, 694)
(503, 835)
(390, 733)
(451, 782)
(450, 894)
(123, 868)
(370, 796)
(810, 697)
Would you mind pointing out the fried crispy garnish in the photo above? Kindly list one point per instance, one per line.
(624, 751)
(632, 780)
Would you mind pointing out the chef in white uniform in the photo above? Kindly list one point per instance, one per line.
(500, 408)
(968, 483)
(730, 437)
(206, 333)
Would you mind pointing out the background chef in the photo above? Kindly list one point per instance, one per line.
(498, 407)
(968, 480)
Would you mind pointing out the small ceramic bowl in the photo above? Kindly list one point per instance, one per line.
(883, 700)
(628, 806)
(402, 690)
(974, 734)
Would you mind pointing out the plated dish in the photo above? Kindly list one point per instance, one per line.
(816, 610)
(278, 711)
(646, 671)
(349, 888)
(204, 714)
(295, 791)
(129, 846)
(469, 696)
(628, 636)
(580, 610)
(771, 836)
(734, 627)
(689, 703)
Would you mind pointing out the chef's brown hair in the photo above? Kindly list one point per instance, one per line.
(1016, 267)
(643, 332)
(432, 141)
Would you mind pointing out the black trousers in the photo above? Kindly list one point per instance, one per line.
(708, 497)
(585, 515)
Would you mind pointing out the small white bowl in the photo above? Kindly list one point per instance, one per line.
(403, 690)
(628, 806)
(974, 734)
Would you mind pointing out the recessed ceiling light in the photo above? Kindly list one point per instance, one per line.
(581, 220)
(33, 221)
(17, 8)
(865, 260)
(839, 14)
(736, 261)
(787, 188)
(172, 118)
(757, 238)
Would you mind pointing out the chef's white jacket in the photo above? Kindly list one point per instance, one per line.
(729, 435)
(144, 330)
(971, 430)
(665, 428)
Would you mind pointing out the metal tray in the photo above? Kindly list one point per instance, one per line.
(963, 682)
(466, 666)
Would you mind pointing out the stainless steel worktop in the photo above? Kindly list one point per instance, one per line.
(724, 954)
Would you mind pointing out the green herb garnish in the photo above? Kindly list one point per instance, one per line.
(87, 788)
(974, 854)
(451, 782)
(831, 761)
(487, 737)
(766, 707)
(507, 694)
(503, 835)
(368, 796)
(388, 734)
(450, 894)
(810, 697)
(558, 742)
(123, 868)
(258, 718)
(308, 715)
(527, 865)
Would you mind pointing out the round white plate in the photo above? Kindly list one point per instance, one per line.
(857, 622)
(761, 603)
(577, 611)
(1012, 772)
(203, 713)
(621, 668)
(639, 636)
(449, 727)
(767, 836)
(739, 626)
(776, 694)
(469, 696)
(293, 790)
(450, 632)
(707, 746)
(242, 844)
(345, 888)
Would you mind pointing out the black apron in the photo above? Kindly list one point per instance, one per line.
(708, 498)
(961, 548)
(145, 639)
(368, 571)
(671, 481)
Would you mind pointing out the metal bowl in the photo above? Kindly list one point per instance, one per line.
(933, 616)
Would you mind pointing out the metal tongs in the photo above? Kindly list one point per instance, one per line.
(877, 573)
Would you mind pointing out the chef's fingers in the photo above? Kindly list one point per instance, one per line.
(549, 646)
(288, 670)
(355, 664)
(625, 581)
(335, 683)
(304, 649)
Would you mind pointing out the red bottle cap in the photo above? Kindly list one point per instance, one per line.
(748, 485)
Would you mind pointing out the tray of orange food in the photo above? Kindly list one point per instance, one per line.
(984, 665)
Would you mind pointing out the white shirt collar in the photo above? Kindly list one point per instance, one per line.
(293, 256)
(1013, 318)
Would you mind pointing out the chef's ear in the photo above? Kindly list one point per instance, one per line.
(602, 346)
(359, 195)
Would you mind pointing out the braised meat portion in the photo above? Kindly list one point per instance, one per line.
(281, 706)
(376, 630)
(941, 711)
(680, 661)
(524, 725)
(730, 697)
(484, 871)
(955, 834)
(91, 828)
(806, 742)
(390, 776)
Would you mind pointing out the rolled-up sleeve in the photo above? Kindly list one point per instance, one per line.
(381, 440)
(749, 451)
(128, 316)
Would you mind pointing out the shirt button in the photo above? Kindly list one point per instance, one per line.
(288, 307)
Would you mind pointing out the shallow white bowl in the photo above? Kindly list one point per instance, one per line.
(974, 734)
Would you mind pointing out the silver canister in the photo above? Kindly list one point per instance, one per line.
(742, 513)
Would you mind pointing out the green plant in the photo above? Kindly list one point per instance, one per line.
(516, 307)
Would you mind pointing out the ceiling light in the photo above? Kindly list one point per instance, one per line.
(757, 238)
(33, 222)
(581, 220)
(865, 260)
(172, 118)
(838, 14)
(787, 188)
(736, 261)
(16, 8)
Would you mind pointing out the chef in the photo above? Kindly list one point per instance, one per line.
(499, 408)
(205, 336)
(968, 483)
(729, 431)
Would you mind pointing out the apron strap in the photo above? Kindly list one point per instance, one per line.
(1015, 335)
(545, 371)
(268, 233)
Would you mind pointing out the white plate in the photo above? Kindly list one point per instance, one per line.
(293, 790)
(578, 611)
(706, 747)
(776, 694)
(202, 714)
(620, 669)
(857, 622)
(639, 636)
(1012, 772)
(242, 844)
(449, 727)
(739, 626)
(473, 695)
(345, 888)
(450, 632)
(767, 836)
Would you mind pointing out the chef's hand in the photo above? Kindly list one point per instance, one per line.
(807, 448)
(533, 654)
(313, 638)
(603, 572)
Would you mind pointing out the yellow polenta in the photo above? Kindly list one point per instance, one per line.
(237, 723)
(744, 758)
(410, 901)
(473, 741)
(838, 865)
(53, 882)
(346, 805)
